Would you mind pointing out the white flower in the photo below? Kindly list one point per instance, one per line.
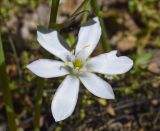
(78, 67)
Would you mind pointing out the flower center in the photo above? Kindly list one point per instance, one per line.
(78, 64)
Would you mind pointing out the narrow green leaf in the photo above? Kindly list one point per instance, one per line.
(6, 91)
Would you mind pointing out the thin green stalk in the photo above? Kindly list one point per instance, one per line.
(38, 104)
(53, 15)
(6, 91)
(39, 95)
(104, 37)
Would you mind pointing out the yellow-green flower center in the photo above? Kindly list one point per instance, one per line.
(78, 64)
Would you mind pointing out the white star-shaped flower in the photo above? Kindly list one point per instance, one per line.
(77, 67)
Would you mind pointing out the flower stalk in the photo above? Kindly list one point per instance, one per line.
(39, 95)
(53, 14)
(38, 104)
(104, 37)
(6, 91)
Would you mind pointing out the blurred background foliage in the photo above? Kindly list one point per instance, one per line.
(133, 28)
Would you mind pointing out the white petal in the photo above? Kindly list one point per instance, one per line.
(51, 43)
(47, 68)
(97, 86)
(88, 38)
(65, 99)
(109, 63)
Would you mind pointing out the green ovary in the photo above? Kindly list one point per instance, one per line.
(78, 64)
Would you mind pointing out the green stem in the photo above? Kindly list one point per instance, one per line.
(53, 15)
(38, 104)
(104, 37)
(6, 91)
(39, 95)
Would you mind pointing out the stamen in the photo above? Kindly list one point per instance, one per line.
(65, 63)
(86, 46)
(81, 73)
(90, 71)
